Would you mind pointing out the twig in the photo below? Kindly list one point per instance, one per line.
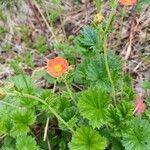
(36, 16)
(46, 129)
(49, 146)
(139, 64)
(45, 21)
(129, 48)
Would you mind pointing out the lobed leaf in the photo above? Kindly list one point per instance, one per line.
(93, 105)
(85, 138)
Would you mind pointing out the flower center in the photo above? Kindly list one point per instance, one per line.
(58, 68)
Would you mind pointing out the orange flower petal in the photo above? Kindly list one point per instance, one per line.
(128, 2)
(57, 67)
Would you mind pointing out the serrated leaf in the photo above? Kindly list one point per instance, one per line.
(80, 75)
(8, 143)
(138, 135)
(23, 83)
(50, 99)
(86, 138)
(89, 38)
(64, 101)
(69, 115)
(21, 122)
(26, 143)
(116, 145)
(93, 105)
(128, 92)
(2, 127)
(97, 73)
(93, 72)
(118, 118)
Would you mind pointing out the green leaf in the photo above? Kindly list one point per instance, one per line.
(26, 143)
(116, 145)
(138, 135)
(69, 115)
(118, 118)
(128, 93)
(50, 99)
(21, 121)
(93, 105)
(8, 143)
(80, 75)
(64, 101)
(86, 138)
(97, 72)
(23, 83)
(93, 72)
(5, 121)
(89, 38)
(2, 127)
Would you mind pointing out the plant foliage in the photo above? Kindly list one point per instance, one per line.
(93, 105)
(85, 138)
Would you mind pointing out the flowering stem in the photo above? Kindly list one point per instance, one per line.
(98, 5)
(43, 102)
(47, 121)
(111, 16)
(69, 91)
(107, 67)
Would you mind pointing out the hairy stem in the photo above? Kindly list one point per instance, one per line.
(108, 25)
(43, 102)
(107, 68)
(98, 5)
(111, 16)
(69, 91)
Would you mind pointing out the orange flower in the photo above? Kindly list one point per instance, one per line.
(57, 66)
(140, 106)
(128, 2)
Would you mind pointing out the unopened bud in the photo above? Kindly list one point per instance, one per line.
(98, 18)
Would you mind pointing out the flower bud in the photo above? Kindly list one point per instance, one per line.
(98, 18)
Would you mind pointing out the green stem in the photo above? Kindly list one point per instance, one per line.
(111, 16)
(107, 68)
(11, 105)
(98, 5)
(43, 102)
(69, 91)
(48, 119)
(110, 20)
